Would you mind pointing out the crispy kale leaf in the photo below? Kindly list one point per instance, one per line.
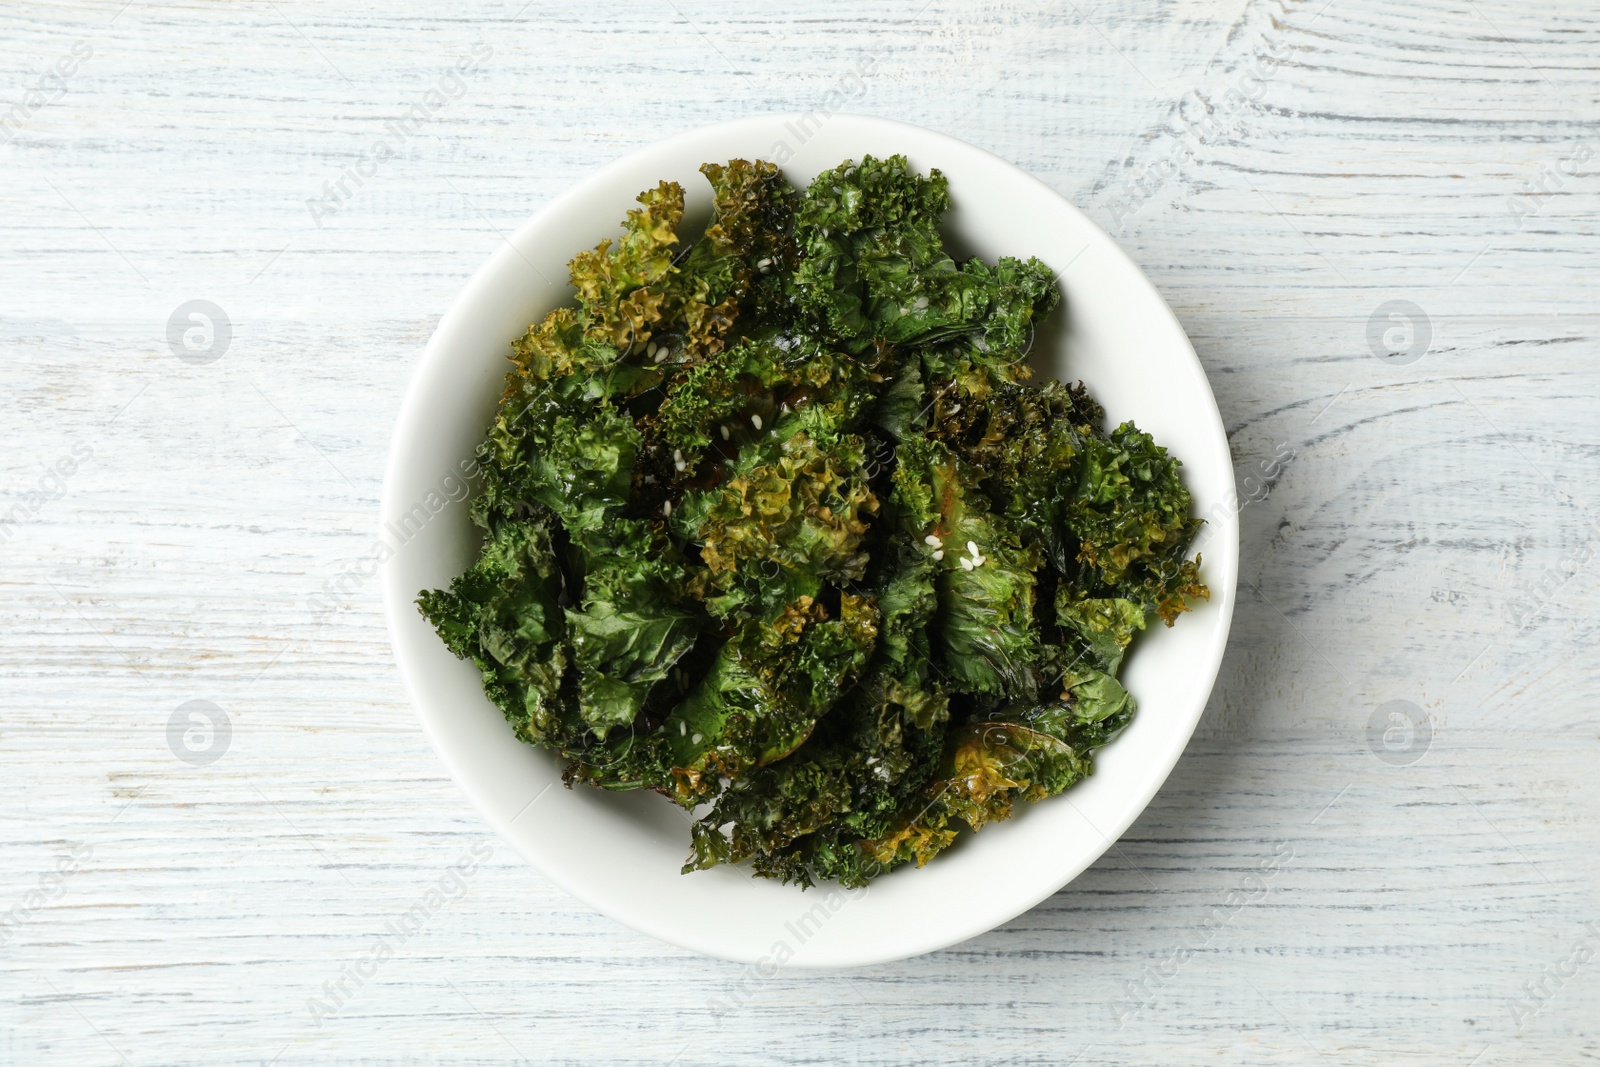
(875, 270)
(632, 626)
(775, 525)
(789, 518)
(505, 615)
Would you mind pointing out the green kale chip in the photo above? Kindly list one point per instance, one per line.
(775, 525)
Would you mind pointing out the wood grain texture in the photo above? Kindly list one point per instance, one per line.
(1429, 531)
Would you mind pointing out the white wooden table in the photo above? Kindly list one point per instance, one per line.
(1284, 171)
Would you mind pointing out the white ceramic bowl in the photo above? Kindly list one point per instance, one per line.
(621, 853)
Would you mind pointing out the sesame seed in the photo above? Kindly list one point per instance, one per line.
(680, 465)
(695, 739)
(966, 564)
(650, 349)
(666, 508)
(683, 728)
(662, 354)
(972, 547)
(764, 262)
(755, 420)
(932, 541)
(725, 434)
(938, 554)
(677, 455)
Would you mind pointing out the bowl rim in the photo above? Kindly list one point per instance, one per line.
(1221, 546)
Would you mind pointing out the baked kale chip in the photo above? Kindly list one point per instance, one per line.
(775, 524)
